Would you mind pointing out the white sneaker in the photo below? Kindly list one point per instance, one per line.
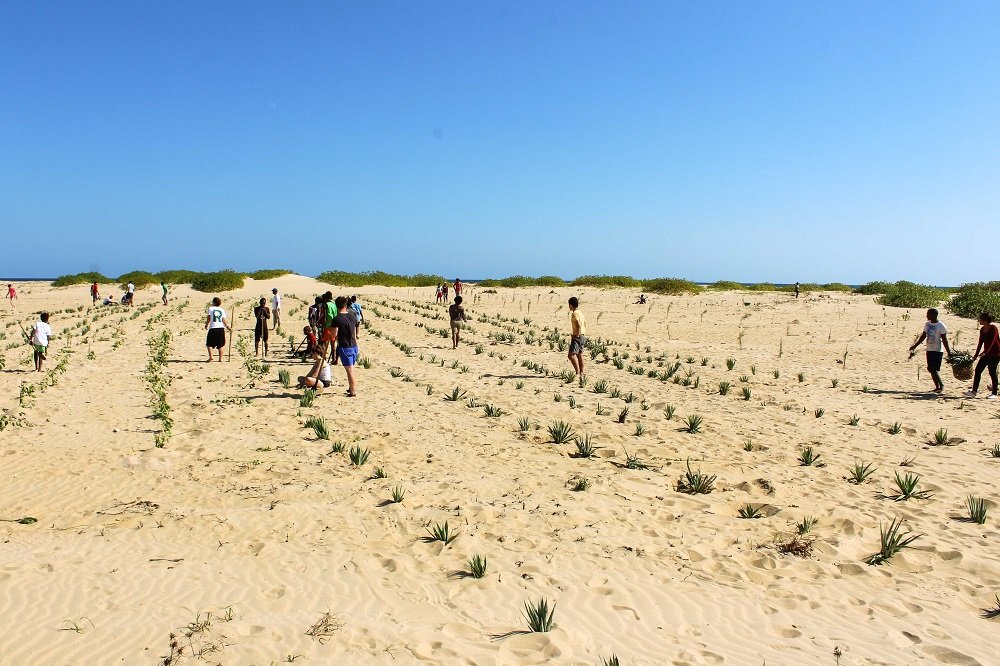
(991, 396)
(970, 394)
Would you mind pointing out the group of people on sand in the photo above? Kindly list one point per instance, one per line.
(987, 351)
(441, 293)
(128, 298)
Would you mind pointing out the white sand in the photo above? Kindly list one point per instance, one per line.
(244, 509)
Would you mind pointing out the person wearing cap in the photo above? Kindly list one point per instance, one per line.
(276, 308)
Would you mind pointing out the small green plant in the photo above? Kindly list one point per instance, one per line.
(748, 445)
(615, 393)
(622, 415)
(744, 379)
(995, 451)
(585, 447)
(321, 429)
(730, 363)
(860, 472)
(519, 385)
(539, 615)
(492, 411)
(285, 378)
(750, 511)
(336, 447)
(640, 429)
(580, 484)
(601, 411)
(441, 532)
(379, 473)
(524, 424)
(801, 377)
(809, 458)
(805, 525)
(777, 374)
(358, 456)
(398, 494)
(895, 428)
(977, 509)
(696, 483)
(907, 486)
(941, 437)
(365, 363)
(455, 395)
(396, 373)
(819, 412)
(892, 541)
(834, 383)
(746, 393)
(724, 388)
(429, 389)
(633, 462)
(693, 424)
(308, 398)
(560, 432)
(854, 420)
(669, 412)
(477, 566)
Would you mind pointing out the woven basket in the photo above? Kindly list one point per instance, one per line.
(962, 372)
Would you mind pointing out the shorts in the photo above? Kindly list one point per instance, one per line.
(577, 344)
(40, 349)
(328, 335)
(260, 333)
(216, 338)
(934, 361)
(348, 355)
(456, 325)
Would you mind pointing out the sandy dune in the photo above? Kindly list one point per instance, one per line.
(245, 531)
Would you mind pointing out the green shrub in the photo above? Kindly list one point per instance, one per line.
(268, 273)
(178, 276)
(345, 279)
(837, 286)
(226, 280)
(762, 286)
(607, 281)
(670, 286)
(726, 285)
(976, 297)
(139, 278)
(876, 288)
(80, 278)
(905, 294)
(550, 281)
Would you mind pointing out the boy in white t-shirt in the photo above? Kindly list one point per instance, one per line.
(937, 336)
(40, 334)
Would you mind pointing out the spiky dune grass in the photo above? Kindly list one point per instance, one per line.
(261, 487)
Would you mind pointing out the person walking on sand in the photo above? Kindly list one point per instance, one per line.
(39, 338)
(276, 308)
(437, 294)
(356, 309)
(457, 315)
(797, 289)
(444, 292)
(260, 314)
(989, 345)
(216, 324)
(578, 335)
(936, 335)
(11, 296)
(94, 294)
(458, 287)
(130, 294)
(345, 331)
(163, 286)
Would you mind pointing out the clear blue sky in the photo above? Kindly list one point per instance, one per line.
(775, 141)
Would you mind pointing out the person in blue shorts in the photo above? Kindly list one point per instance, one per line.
(345, 331)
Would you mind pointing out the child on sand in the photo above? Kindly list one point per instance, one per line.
(989, 345)
(40, 334)
(578, 335)
(11, 295)
(457, 315)
(163, 286)
(94, 294)
(936, 335)
(260, 314)
(216, 324)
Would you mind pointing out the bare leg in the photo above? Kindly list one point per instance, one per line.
(350, 379)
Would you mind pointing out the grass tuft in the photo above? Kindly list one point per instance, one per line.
(892, 541)
(539, 615)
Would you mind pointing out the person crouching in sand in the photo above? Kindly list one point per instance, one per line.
(320, 376)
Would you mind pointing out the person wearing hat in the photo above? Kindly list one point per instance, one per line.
(276, 308)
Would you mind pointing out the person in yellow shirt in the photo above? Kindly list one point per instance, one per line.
(578, 335)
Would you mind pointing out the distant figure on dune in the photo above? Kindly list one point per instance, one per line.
(641, 301)
(936, 335)
(129, 294)
(458, 287)
(163, 286)
(797, 290)
(216, 324)
(11, 295)
(989, 345)
(94, 294)
(315, 314)
(578, 335)
(457, 315)
(40, 334)
(109, 299)
(276, 308)
(261, 315)
(437, 294)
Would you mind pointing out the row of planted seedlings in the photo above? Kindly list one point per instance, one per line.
(157, 380)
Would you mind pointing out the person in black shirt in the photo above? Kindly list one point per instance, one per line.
(345, 330)
(261, 314)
